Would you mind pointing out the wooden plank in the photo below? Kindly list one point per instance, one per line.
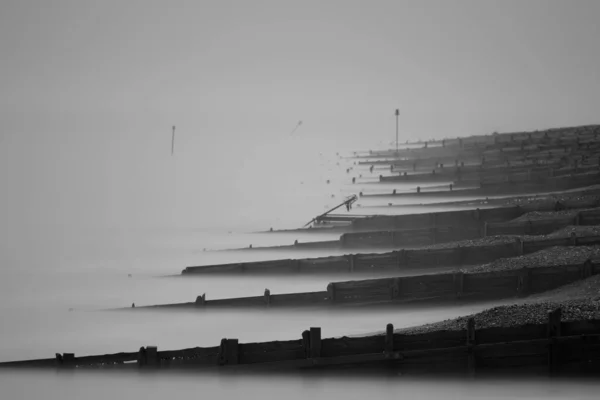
(299, 299)
(510, 334)
(266, 347)
(355, 345)
(117, 358)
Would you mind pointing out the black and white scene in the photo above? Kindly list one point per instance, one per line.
(317, 199)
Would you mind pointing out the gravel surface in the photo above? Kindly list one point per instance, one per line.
(585, 289)
(591, 230)
(580, 231)
(560, 197)
(541, 215)
(514, 315)
(484, 241)
(545, 258)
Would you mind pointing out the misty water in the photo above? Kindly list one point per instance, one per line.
(91, 213)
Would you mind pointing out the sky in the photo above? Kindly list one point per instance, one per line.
(89, 90)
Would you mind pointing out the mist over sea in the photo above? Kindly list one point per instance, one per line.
(81, 213)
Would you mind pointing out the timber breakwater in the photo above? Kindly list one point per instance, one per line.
(512, 252)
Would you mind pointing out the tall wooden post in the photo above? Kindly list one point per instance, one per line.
(351, 262)
(459, 284)
(470, 347)
(554, 319)
(68, 360)
(389, 339)
(152, 356)
(306, 343)
(173, 140)
(315, 342)
(232, 352)
(331, 293)
(397, 114)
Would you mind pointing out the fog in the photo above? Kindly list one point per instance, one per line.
(89, 92)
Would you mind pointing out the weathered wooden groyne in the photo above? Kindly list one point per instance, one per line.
(569, 137)
(556, 347)
(396, 260)
(446, 234)
(443, 287)
(544, 226)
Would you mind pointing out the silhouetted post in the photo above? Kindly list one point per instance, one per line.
(152, 356)
(173, 140)
(554, 319)
(306, 343)
(397, 114)
(470, 344)
(315, 342)
(389, 338)
(68, 360)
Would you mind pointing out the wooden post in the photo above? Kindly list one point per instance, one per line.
(315, 342)
(519, 246)
(231, 352)
(222, 355)
(306, 343)
(470, 347)
(459, 284)
(586, 269)
(141, 358)
(485, 229)
(389, 339)
(554, 318)
(68, 360)
(267, 297)
(395, 288)
(201, 300)
(152, 356)
(331, 293)
(524, 282)
(351, 262)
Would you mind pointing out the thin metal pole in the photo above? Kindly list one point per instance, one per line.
(173, 140)
(397, 114)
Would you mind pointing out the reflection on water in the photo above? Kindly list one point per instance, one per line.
(101, 385)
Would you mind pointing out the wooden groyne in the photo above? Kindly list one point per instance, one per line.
(556, 347)
(544, 226)
(395, 260)
(559, 138)
(441, 288)
(446, 234)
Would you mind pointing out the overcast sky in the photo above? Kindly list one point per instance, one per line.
(223, 67)
(85, 83)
